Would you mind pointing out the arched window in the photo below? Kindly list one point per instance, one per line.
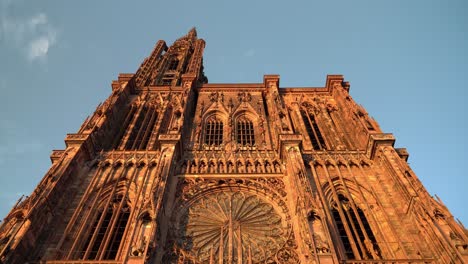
(245, 132)
(354, 230)
(313, 131)
(213, 131)
(138, 128)
(106, 233)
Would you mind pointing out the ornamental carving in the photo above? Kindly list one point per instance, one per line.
(230, 224)
(273, 187)
(216, 97)
(235, 227)
(244, 97)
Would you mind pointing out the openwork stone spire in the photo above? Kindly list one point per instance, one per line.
(167, 65)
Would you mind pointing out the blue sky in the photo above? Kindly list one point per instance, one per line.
(407, 62)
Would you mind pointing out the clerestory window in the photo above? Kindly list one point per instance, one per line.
(107, 231)
(316, 138)
(140, 130)
(213, 132)
(245, 132)
(354, 230)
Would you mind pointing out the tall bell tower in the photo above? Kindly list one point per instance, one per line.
(173, 169)
(103, 194)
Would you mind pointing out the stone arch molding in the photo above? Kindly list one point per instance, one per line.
(211, 115)
(234, 223)
(351, 191)
(247, 111)
(214, 110)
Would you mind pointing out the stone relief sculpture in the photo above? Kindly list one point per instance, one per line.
(318, 234)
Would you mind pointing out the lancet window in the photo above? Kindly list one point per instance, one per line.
(354, 230)
(107, 231)
(140, 129)
(316, 138)
(245, 132)
(213, 132)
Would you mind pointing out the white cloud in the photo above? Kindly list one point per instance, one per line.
(33, 36)
(37, 20)
(39, 47)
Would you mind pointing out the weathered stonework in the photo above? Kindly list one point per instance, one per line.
(173, 169)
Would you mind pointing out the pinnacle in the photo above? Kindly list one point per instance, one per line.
(192, 32)
(190, 36)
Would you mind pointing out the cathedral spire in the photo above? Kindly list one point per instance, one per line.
(192, 33)
(166, 65)
(191, 36)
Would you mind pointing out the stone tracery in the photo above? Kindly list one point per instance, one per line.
(237, 220)
(233, 226)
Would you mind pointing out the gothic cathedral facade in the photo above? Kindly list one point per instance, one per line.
(173, 169)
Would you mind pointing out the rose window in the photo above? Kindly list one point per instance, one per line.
(235, 227)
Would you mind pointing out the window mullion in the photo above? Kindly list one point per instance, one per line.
(141, 129)
(91, 245)
(213, 124)
(221, 132)
(362, 249)
(110, 232)
(311, 124)
(244, 123)
(348, 229)
(241, 128)
(216, 134)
